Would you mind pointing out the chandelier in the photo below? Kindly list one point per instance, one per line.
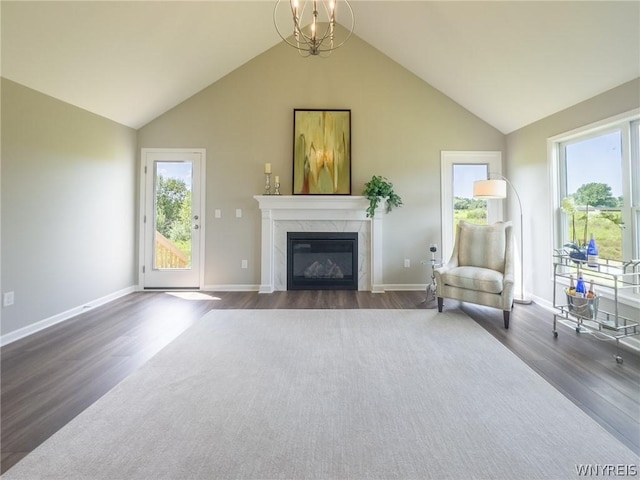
(314, 26)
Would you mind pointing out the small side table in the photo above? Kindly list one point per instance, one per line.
(430, 299)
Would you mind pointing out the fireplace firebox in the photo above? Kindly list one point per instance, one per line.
(322, 261)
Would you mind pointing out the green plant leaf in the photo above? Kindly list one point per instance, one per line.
(377, 189)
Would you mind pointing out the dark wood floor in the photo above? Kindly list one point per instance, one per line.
(50, 377)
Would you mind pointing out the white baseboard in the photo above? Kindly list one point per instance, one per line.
(61, 317)
(546, 304)
(407, 287)
(257, 288)
(231, 288)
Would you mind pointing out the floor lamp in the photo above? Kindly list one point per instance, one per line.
(497, 189)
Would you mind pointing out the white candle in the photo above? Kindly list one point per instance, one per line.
(267, 168)
(277, 179)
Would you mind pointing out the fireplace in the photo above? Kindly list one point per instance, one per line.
(322, 261)
(282, 214)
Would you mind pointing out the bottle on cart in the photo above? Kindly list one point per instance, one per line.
(592, 252)
(581, 288)
(572, 286)
(591, 293)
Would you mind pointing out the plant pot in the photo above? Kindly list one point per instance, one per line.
(579, 256)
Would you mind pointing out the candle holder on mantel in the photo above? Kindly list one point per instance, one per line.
(267, 184)
(276, 186)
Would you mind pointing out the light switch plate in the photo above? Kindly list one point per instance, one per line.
(8, 299)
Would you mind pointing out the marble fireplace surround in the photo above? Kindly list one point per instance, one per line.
(318, 213)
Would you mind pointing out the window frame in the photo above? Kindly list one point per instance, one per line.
(563, 222)
(448, 158)
(630, 152)
(634, 170)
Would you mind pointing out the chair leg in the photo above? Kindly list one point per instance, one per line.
(505, 314)
(440, 303)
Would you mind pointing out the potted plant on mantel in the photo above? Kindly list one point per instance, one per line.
(378, 189)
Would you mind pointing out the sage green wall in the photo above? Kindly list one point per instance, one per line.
(399, 126)
(530, 171)
(68, 206)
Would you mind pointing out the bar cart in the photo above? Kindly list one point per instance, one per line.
(585, 313)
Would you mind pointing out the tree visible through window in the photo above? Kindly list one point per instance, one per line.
(465, 207)
(592, 191)
(173, 215)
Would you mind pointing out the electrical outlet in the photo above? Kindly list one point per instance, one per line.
(238, 213)
(244, 264)
(217, 213)
(8, 299)
(407, 263)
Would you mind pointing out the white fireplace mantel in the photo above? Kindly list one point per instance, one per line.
(285, 213)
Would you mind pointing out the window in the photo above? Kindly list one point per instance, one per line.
(465, 207)
(459, 170)
(597, 192)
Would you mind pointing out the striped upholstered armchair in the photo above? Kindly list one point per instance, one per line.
(481, 268)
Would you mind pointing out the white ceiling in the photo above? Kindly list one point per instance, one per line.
(509, 62)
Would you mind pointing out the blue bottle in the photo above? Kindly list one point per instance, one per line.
(592, 253)
(581, 288)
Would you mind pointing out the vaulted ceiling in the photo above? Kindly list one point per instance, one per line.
(509, 62)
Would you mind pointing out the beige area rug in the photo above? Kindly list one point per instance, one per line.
(329, 394)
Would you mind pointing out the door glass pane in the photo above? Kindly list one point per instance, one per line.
(594, 200)
(173, 191)
(465, 207)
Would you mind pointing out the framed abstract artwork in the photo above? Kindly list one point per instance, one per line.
(321, 152)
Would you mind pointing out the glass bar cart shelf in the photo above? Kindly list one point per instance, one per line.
(607, 275)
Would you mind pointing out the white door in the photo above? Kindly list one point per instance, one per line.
(172, 213)
(459, 170)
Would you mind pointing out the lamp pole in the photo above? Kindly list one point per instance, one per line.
(522, 299)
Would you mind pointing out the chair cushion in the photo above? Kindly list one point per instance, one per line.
(474, 278)
(482, 245)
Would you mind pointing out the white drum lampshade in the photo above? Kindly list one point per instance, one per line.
(490, 189)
